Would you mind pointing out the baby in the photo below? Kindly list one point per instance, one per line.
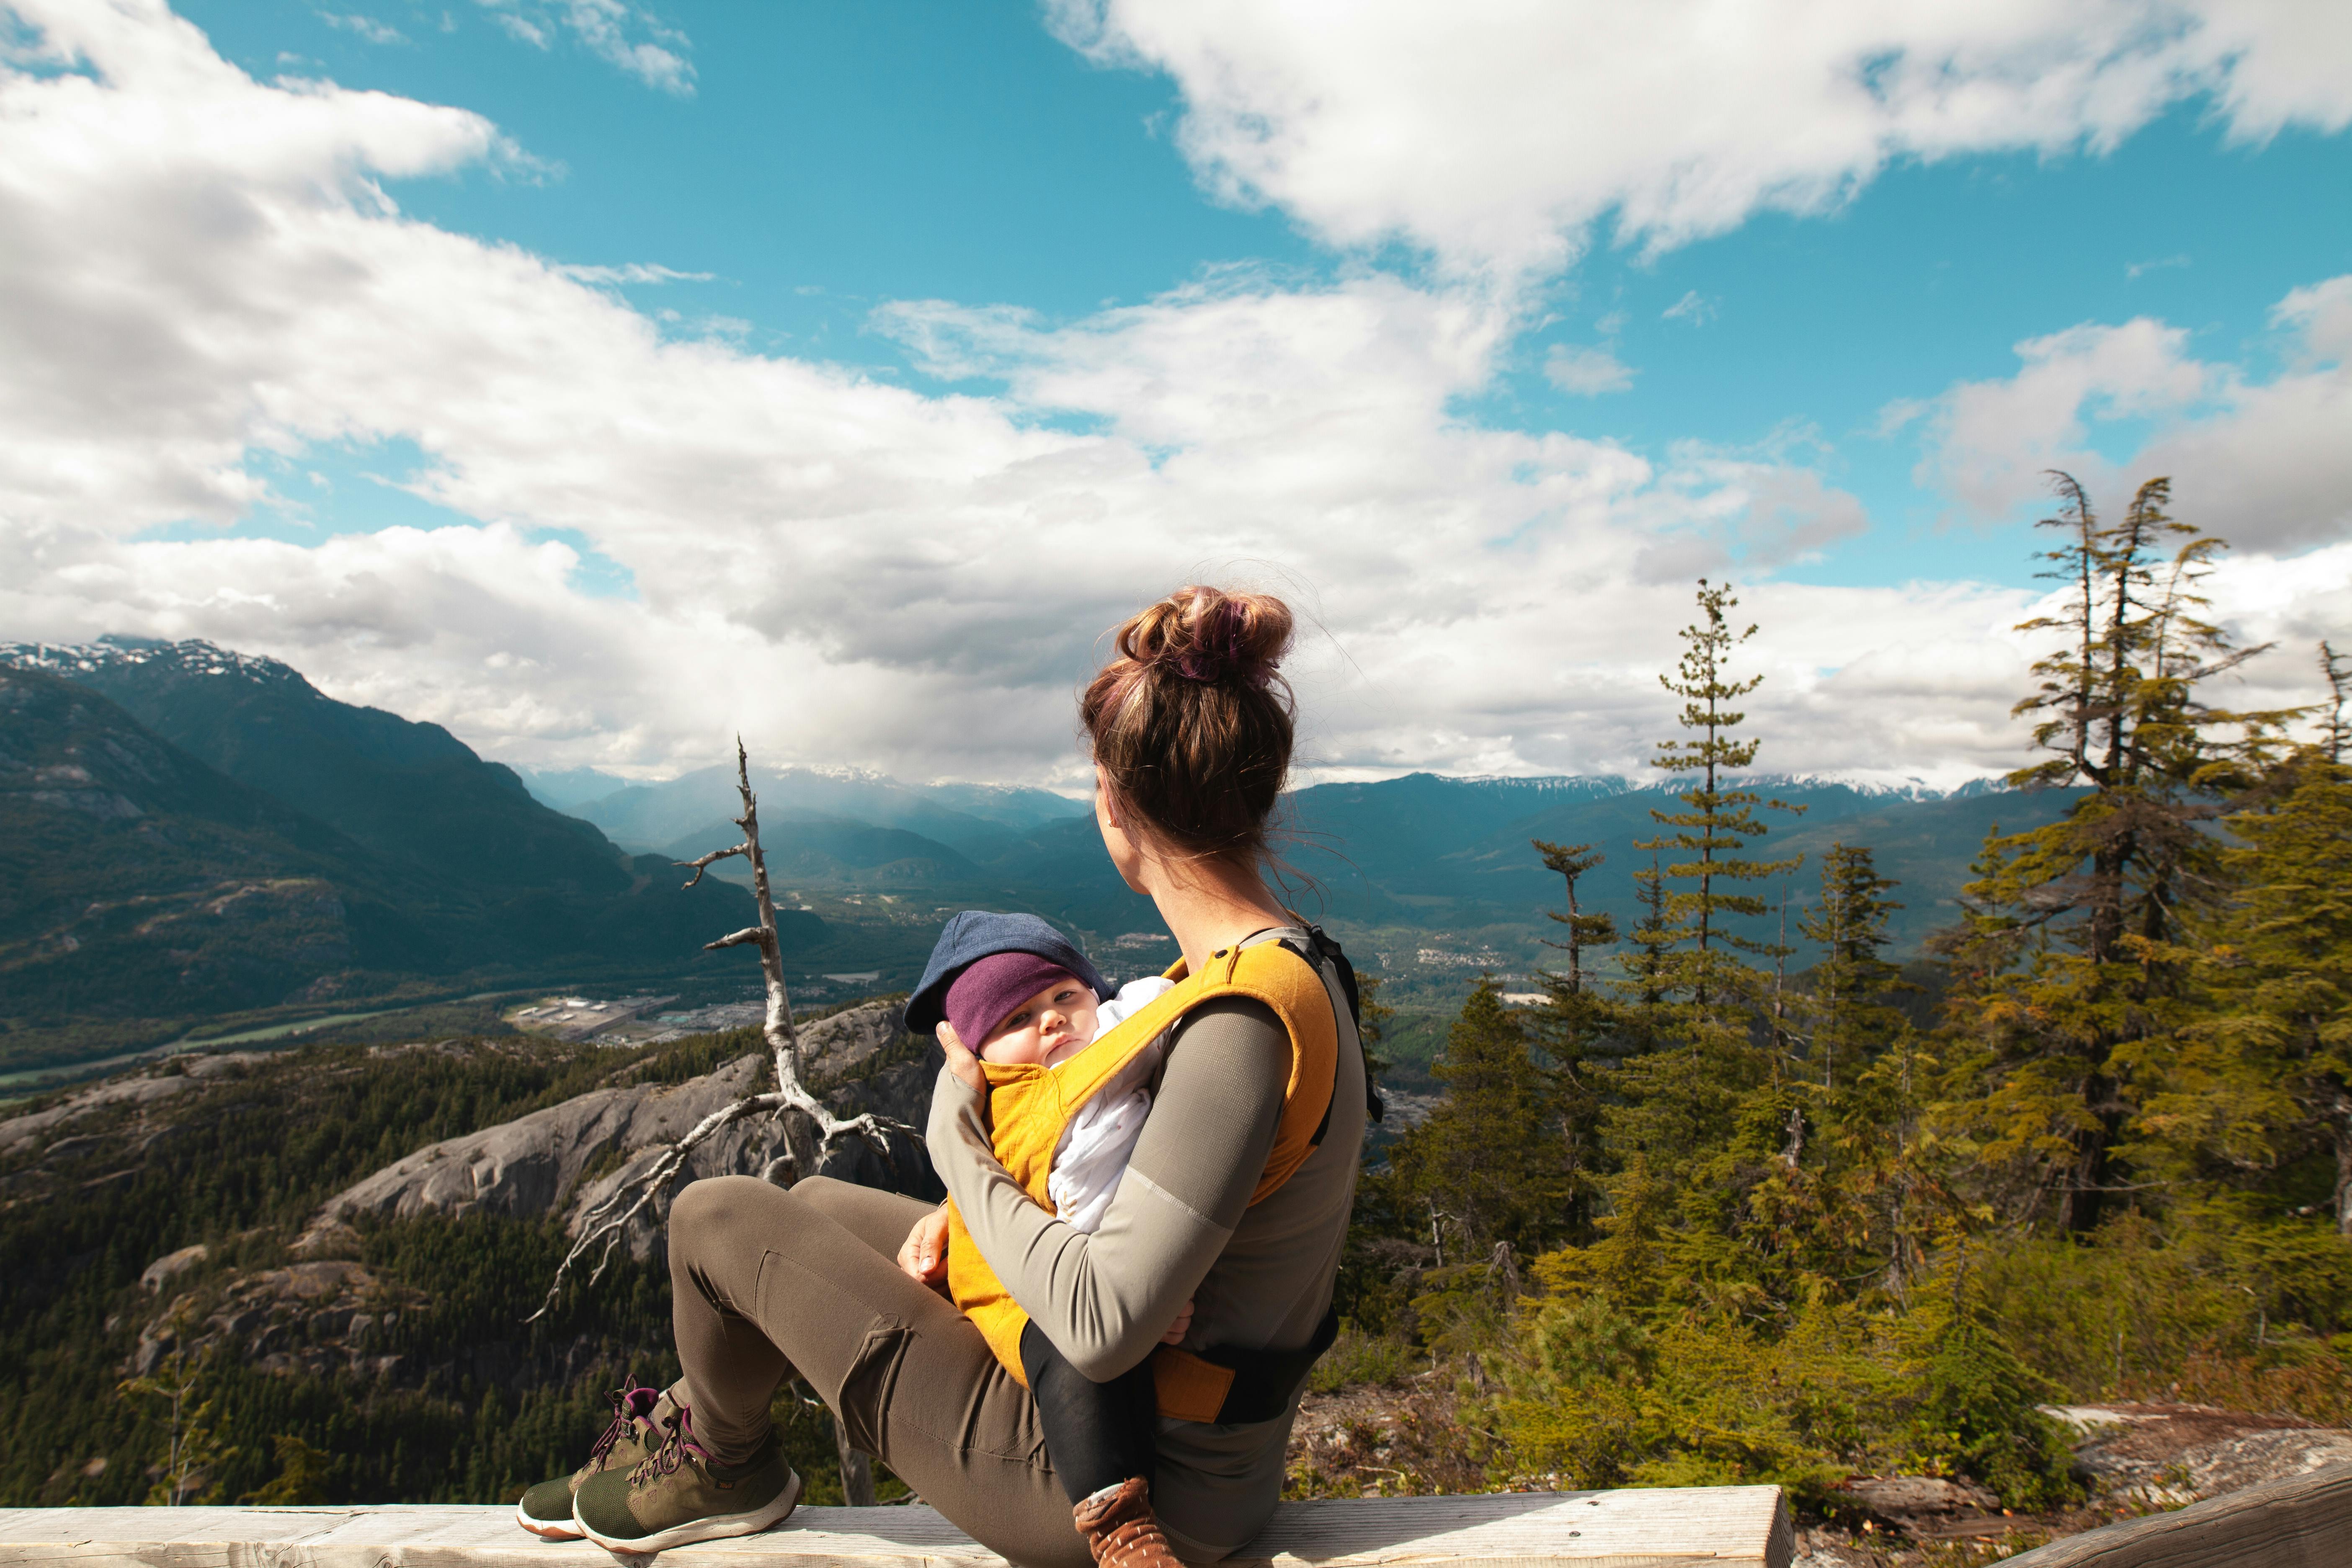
(1057, 1016)
(1015, 992)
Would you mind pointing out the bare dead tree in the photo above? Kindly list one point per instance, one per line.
(809, 1125)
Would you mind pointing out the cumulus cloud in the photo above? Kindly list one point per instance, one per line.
(1498, 139)
(202, 281)
(2266, 464)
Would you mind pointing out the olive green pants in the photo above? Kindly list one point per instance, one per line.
(767, 1281)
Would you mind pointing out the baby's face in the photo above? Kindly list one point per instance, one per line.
(1054, 1024)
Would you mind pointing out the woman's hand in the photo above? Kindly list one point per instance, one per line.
(960, 1062)
(924, 1256)
(1179, 1328)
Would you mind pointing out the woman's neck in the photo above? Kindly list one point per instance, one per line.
(1210, 905)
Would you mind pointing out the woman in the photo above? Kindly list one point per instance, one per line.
(1191, 727)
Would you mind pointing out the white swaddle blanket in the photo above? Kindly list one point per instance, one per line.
(1096, 1145)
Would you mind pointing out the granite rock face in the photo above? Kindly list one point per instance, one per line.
(2170, 1453)
(169, 1080)
(564, 1158)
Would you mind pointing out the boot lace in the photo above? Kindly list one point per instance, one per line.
(678, 1442)
(624, 1416)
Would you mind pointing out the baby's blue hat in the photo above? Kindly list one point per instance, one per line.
(973, 934)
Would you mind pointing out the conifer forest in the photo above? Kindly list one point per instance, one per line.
(1698, 1219)
(1741, 1198)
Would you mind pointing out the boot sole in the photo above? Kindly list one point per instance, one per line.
(546, 1528)
(712, 1527)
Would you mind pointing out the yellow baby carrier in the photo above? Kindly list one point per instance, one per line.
(1029, 1106)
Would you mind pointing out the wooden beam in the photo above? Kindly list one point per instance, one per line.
(1665, 1527)
(2304, 1522)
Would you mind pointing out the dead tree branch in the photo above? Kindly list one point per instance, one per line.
(809, 1125)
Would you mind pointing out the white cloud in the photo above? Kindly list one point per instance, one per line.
(1993, 441)
(1585, 371)
(367, 28)
(1496, 138)
(200, 281)
(1693, 306)
(607, 28)
(632, 272)
(2321, 313)
(2139, 270)
(522, 30)
(2266, 464)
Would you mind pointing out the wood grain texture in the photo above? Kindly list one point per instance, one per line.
(1722, 1527)
(2304, 1522)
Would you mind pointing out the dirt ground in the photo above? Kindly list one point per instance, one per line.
(2133, 1458)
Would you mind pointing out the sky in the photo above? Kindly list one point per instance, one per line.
(602, 380)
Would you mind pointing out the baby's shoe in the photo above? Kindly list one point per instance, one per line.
(1121, 1528)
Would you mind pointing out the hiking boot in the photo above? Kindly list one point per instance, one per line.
(1121, 1528)
(678, 1493)
(637, 1413)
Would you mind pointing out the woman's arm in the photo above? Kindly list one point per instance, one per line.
(1105, 1298)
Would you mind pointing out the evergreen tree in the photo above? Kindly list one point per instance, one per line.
(1850, 1016)
(1691, 994)
(2071, 952)
(1576, 1029)
(2338, 672)
(1716, 820)
(1878, 1213)
(2261, 1083)
(1484, 1165)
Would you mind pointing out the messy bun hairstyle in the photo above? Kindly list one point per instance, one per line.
(1192, 721)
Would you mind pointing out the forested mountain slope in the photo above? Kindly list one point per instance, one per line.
(309, 855)
(170, 1223)
(134, 877)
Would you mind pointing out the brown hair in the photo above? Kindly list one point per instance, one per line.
(1192, 721)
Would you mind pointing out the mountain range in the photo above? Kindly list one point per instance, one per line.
(188, 833)
(194, 833)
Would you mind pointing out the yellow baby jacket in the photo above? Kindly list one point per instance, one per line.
(1029, 1105)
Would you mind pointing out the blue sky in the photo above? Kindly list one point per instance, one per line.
(1046, 227)
(830, 158)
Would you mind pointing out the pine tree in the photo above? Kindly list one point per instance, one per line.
(2338, 672)
(1848, 1012)
(2071, 940)
(1878, 1210)
(1577, 1030)
(1484, 1164)
(1717, 819)
(2263, 1079)
(1691, 996)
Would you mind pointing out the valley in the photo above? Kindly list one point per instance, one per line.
(200, 846)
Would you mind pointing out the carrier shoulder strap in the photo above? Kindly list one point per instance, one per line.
(1321, 948)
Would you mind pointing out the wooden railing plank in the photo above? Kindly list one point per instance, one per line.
(1700, 1527)
(2304, 1522)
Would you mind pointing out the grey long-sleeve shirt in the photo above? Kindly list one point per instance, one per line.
(1182, 1228)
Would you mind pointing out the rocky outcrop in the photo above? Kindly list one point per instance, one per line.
(565, 1158)
(171, 1265)
(2167, 1454)
(174, 1077)
(307, 1317)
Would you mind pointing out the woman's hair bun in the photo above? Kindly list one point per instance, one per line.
(1209, 635)
(1190, 723)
